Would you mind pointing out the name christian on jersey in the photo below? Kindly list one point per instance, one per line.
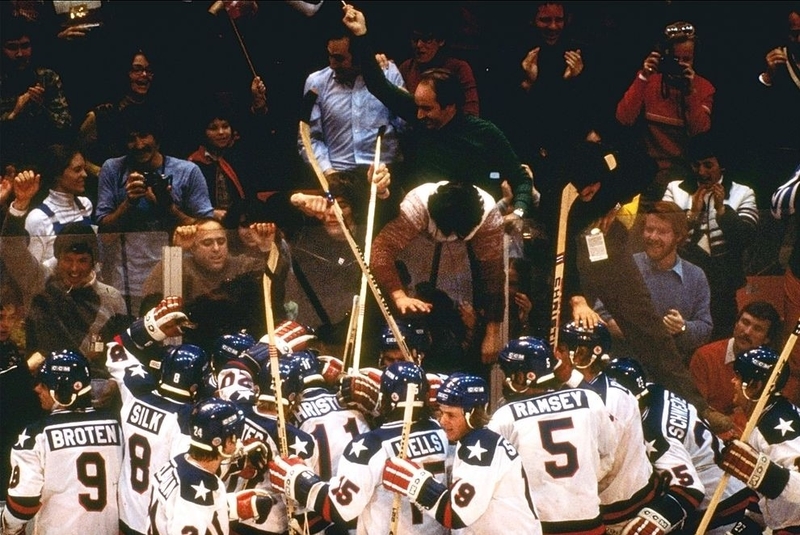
(80, 435)
(146, 418)
(550, 403)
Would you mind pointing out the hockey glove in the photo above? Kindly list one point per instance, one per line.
(407, 478)
(257, 456)
(755, 469)
(332, 369)
(360, 392)
(290, 336)
(165, 319)
(247, 504)
(435, 380)
(661, 516)
(290, 476)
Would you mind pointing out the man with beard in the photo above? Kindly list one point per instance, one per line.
(147, 193)
(679, 289)
(712, 364)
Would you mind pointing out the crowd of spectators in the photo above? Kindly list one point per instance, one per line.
(169, 123)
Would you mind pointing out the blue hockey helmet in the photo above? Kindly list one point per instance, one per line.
(530, 356)
(183, 370)
(463, 390)
(597, 340)
(212, 421)
(310, 366)
(415, 335)
(66, 375)
(394, 381)
(228, 347)
(629, 373)
(291, 380)
(756, 365)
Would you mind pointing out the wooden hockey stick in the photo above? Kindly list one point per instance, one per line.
(362, 294)
(568, 196)
(305, 136)
(274, 362)
(408, 415)
(351, 333)
(752, 421)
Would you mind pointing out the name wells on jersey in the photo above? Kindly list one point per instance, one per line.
(420, 445)
(81, 435)
(146, 418)
(551, 403)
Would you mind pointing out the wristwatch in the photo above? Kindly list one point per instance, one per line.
(519, 212)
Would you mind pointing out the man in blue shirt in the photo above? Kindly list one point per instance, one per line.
(146, 195)
(346, 117)
(678, 288)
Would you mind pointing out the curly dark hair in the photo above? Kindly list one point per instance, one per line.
(456, 208)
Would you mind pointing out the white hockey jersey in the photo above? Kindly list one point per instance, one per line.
(187, 499)
(567, 444)
(489, 489)
(778, 436)
(69, 462)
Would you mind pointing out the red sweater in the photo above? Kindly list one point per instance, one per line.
(713, 379)
(671, 121)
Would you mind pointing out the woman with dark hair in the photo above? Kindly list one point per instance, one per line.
(64, 171)
(100, 136)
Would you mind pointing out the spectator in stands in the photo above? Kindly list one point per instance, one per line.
(231, 169)
(553, 96)
(34, 112)
(429, 45)
(446, 144)
(66, 305)
(145, 194)
(784, 206)
(101, 133)
(679, 289)
(672, 100)
(712, 364)
(345, 118)
(723, 219)
(64, 169)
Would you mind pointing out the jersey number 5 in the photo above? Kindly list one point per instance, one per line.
(567, 449)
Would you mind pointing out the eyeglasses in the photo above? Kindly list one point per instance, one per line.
(679, 29)
(141, 69)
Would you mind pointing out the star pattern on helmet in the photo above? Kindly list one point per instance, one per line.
(357, 447)
(22, 438)
(200, 491)
(785, 426)
(299, 446)
(476, 450)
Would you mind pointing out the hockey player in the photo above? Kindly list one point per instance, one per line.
(489, 486)
(186, 494)
(416, 337)
(683, 448)
(261, 427)
(356, 491)
(319, 413)
(632, 483)
(565, 438)
(65, 467)
(768, 461)
(153, 423)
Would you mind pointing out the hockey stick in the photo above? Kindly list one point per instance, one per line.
(568, 196)
(274, 362)
(766, 393)
(351, 332)
(305, 136)
(362, 293)
(408, 415)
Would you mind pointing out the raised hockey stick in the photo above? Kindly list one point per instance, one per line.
(362, 294)
(305, 136)
(351, 332)
(751, 423)
(408, 415)
(568, 196)
(283, 443)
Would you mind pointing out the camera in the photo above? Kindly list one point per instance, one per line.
(155, 180)
(669, 66)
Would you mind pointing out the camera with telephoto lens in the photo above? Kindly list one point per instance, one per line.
(155, 180)
(669, 66)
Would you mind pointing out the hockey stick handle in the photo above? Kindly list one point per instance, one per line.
(351, 333)
(305, 135)
(408, 415)
(752, 421)
(362, 294)
(568, 195)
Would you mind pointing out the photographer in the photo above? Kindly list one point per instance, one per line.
(673, 100)
(148, 193)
